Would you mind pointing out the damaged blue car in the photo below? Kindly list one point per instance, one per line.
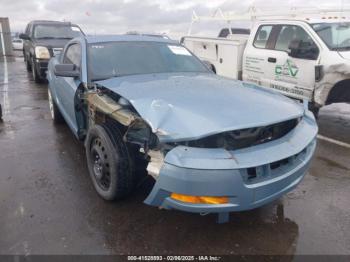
(213, 145)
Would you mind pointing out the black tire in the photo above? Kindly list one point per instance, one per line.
(340, 93)
(55, 112)
(36, 77)
(314, 109)
(28, 64)
(110, 166)
(0, 113)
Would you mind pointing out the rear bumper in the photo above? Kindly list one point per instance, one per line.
(249, 177)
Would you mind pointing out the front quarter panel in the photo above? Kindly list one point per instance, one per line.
(52, 79)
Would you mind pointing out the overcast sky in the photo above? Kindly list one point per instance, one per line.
(119, 16)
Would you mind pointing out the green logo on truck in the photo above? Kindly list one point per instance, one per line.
(288, 69)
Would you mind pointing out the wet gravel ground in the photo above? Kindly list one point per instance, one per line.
(49, 206)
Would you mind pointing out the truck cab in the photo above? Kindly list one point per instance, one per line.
(300, 56)
(301, 59)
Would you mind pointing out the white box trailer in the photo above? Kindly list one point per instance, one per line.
(224, 54)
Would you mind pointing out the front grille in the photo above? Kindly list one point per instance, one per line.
(244, 138)
(257, 174)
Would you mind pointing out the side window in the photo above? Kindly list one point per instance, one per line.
(291, 33)
(73, 55)
(262, 36)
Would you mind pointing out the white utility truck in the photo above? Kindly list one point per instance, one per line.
(304, 54)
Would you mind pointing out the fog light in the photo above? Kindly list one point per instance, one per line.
(199, 199)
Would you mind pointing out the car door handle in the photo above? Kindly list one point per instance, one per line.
(272, 60)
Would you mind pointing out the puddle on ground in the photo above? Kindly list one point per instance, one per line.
(7, 130)
(27, 108)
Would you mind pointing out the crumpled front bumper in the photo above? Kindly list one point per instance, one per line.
(250, 177)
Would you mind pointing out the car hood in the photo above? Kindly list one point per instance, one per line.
(190, 106)
(51, 43)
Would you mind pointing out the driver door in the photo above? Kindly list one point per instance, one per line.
(292, 76)
(68, 85)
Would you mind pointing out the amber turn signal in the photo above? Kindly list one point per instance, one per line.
(200, 199)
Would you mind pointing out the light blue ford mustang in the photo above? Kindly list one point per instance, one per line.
(213, 145)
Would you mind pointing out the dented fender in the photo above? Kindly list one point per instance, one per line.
(331, 76)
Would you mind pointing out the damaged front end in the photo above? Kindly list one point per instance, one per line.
(232, 171)
(222, 172)
(104, 105)
(331, 76)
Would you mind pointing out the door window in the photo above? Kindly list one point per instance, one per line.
(262, 36)
(292, 33)
(73, 55)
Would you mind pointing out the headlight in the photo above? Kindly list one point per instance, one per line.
(42, 52)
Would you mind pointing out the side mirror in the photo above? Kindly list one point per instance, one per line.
(66, 70)
(209, 66)
(24, 36)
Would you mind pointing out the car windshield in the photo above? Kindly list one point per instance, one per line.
(56, 31)
(112, 59)
(335, 35)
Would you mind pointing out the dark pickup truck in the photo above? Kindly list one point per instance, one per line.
(43, 40)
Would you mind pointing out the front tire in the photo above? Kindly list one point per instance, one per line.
(109, 163)
(0, 113)
(36, 77)
(28, 64)
(55, 112)
(314, 109)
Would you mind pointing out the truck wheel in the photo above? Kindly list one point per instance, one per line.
(340, 93)
(55, 112)
(36, 76)
(314, 109)
(109, 163)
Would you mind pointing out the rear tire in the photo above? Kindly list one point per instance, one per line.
(55, 112)
(110, 166)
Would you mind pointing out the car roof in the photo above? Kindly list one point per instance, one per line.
(127, 38)
(305, 20)
(50, 22)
